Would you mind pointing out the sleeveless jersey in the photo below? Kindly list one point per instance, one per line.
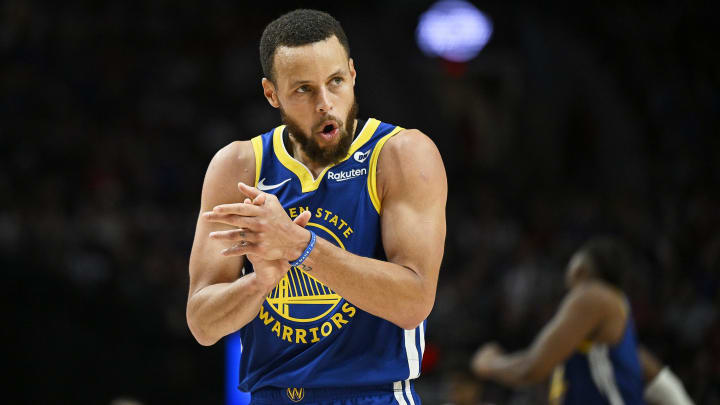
(305, 334)
(601, 374)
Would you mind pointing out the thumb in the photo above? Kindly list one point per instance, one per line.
(251, 192)
(259, 200)
(303, 218)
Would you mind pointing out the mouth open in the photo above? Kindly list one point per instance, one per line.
(329, 130)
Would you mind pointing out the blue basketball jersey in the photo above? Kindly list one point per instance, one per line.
(601, 374)
(306, 335)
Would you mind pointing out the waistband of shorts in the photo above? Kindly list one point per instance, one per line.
(291, 395)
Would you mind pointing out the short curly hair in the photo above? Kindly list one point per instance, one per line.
(297, 28)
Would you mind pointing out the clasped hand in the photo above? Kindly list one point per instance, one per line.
(264, 232)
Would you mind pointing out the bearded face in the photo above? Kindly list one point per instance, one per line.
(313, 86)
(327, 127)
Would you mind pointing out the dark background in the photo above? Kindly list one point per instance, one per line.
(573, 121)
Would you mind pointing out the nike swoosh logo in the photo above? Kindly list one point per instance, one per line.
(264, 187)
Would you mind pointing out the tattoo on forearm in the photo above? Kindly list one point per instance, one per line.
(304, 267)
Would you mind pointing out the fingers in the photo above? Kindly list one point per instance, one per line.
(259, 200)
(239, 249)
(248, 223)
(251, 192)
(236, 235)
(248, 210)
(303, 218)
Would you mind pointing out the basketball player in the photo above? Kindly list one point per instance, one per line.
(320, 240)
(590, 343)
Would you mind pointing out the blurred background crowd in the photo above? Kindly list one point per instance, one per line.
(574, 120)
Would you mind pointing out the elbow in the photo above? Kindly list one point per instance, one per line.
(199, 330)
(204, 339)
(416, 316)
(200, 335)
(409, 324)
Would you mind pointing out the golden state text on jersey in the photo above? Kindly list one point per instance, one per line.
(305, 334)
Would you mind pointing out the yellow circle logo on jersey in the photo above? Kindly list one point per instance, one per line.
(300, 297)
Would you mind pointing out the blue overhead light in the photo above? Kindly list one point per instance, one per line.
(454, 30)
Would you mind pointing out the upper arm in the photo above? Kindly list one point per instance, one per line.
(232, 164)
(413, 191)
(580, 313)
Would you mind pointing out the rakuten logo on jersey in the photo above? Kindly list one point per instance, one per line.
(347, 174)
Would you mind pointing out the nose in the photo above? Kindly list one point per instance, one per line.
(323, 101)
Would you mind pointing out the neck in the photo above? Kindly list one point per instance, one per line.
(299, 155)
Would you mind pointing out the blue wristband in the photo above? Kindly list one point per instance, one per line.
(307, 251)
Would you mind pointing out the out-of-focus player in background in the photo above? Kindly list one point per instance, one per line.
(590, 345)
(342, 221)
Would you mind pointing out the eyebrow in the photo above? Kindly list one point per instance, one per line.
(301, 82)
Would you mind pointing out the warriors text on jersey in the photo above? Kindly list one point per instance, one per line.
(306, 335)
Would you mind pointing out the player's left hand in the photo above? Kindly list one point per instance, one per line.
(269, 272)
(484, 358)
(264, 229)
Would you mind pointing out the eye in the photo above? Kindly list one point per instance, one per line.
(337, 80)
(303, 89)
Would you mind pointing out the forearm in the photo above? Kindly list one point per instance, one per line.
(511, 369)
(387, 290)
(220, 309)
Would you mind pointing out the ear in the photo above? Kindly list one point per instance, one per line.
(353, 73)
(270, 93)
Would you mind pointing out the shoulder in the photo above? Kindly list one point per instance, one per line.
(236, 155)
(411, 143)
(410, 163)
(232, 164)
(408, 151)
(594, 297)
(236, 152)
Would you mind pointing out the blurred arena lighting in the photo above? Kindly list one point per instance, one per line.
(454, 30)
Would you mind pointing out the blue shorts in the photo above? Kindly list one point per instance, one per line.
(402, 393)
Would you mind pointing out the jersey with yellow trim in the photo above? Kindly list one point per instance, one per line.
(305, 334)
(601, 374)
